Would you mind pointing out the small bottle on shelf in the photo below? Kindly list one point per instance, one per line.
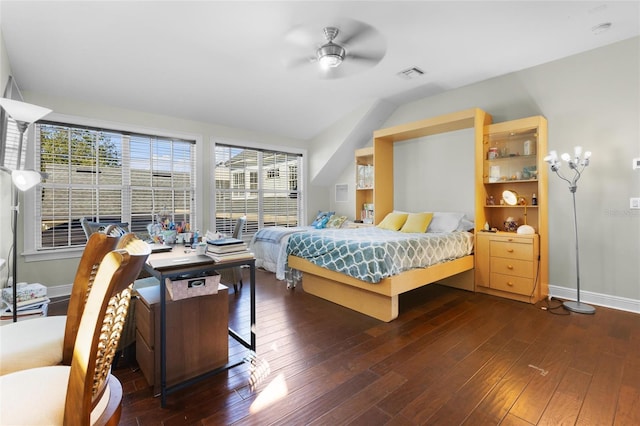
(534, 200)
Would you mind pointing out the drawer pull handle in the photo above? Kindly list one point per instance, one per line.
(509, 250)
(509, 283)
(510, 239)
(509, 266)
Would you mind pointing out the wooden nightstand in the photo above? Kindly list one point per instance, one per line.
(507, 265)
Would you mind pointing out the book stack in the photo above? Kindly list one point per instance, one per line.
(228, 250)
(32, 301)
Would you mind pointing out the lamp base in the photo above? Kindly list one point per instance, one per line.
(579, 307)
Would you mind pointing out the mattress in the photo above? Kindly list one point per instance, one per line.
(371, 254)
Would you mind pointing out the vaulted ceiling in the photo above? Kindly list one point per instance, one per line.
(249, 64)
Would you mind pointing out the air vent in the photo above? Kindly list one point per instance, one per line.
(410, 73)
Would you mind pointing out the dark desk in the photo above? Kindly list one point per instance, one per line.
(176, 264)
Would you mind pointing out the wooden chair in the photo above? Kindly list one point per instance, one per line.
(118, 229)
(234, 275)
(85, 392)
(111, 228)
(48, 341)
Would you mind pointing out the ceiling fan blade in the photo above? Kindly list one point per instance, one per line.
(302, 37)
(298, 62)
(372, 58)
(355, 32)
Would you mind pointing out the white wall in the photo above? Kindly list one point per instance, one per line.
(593, 100)
(435, 173)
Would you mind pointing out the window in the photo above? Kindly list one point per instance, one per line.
(273, 174)
(272, 196)
(109, 176)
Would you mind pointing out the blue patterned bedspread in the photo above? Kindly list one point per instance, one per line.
(371, 254)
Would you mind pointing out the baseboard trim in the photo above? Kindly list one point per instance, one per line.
(605, 300)
(59, 290)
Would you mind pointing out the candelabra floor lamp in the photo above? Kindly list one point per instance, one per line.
(577, 164)
(23, 114)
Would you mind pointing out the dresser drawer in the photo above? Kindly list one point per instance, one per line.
(515, 267)
(512, 249)
(511, 283)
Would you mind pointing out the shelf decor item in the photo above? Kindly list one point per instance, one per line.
(577, 164)
(512, 198)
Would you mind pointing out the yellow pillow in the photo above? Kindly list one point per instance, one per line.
(417, 222)
(393, 221)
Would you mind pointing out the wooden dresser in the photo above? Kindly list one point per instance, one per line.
(197, 335)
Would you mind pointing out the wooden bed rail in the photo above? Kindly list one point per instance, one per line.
(380, 300)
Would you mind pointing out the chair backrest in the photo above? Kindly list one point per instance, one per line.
(100, 328)
(90, 227)
(239, 226)
(97, 247)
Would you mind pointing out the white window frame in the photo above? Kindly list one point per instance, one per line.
(30, 252)
(303, 177)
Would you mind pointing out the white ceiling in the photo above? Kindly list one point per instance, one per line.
(228, 63)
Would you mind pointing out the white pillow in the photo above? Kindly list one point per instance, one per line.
(445, 221)
(465, 225)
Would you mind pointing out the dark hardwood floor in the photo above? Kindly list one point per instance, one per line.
(452, 357)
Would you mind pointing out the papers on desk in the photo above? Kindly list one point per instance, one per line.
(159, 248)
(231, 257)
(175, 260)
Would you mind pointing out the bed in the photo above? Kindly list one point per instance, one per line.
(269, 246)
(365, 269)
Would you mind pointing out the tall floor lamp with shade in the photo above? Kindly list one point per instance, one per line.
(577, 164)
(24, 115)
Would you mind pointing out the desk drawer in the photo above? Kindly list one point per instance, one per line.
(511, 283)
(512, 250)
(514, 267)
(145, 324)
(145, 358)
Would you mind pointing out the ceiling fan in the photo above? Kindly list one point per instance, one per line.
(347, 48)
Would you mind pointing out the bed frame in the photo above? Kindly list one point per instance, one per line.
(380, 300)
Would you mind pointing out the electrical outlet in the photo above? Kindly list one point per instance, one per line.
(636, 163)
(634, 203)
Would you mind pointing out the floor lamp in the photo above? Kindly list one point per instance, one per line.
(577, 163)
(23, 114)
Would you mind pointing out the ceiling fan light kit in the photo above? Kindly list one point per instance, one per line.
(330, 55)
